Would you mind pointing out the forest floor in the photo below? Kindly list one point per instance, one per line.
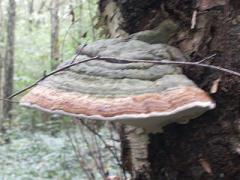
(53, 152)
(38, 155)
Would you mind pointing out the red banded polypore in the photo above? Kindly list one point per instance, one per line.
(139, 94)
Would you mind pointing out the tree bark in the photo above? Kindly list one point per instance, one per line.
(138, 142)
(9, 59)
(208, 146)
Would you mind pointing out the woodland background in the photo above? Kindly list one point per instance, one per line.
(35, 36)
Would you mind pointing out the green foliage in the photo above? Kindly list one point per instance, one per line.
(38, 156)
(33, 148)
(32, 56)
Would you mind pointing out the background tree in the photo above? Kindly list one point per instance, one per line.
(54, 33)
(30, 12)
(1, 54)
(9, 59)
(205, 148)
(42, 153)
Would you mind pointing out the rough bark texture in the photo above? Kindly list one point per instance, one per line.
(112, 18)
(9, 58)
(209, 146)
(139, 140)
(213, 139)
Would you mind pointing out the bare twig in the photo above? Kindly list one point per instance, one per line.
(8, 100)
(64, 38)
(111, 59)
(91, 147)
(103, 141)
(206, 58)
(82, 160)
(50, 74)
(111, 149)
(66, 34)
(180, 63)
(99, 156)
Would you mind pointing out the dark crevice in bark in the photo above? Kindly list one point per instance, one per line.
(138, 15)
(135, 13)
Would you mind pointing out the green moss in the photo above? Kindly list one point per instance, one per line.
(160, 34)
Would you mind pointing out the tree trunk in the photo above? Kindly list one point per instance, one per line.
(54, 56)
(1, 59)
(138, 142)
(80, 29)
(54, 33)
(30, 12)
(91, 20)
(208, 146)
(9, 59)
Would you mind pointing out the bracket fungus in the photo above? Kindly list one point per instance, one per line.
(140, 94)
(145, 95)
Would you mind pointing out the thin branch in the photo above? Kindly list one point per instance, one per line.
(82, 160)
(50, 74)
(116, 60)
(206, 58)
(103, 141)
(8, 100)
(66, 34)
(110, 148)
(64, 39)
(166, 62)
(99, 156)
(92, 153)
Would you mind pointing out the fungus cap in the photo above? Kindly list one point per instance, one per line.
(141, 94)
